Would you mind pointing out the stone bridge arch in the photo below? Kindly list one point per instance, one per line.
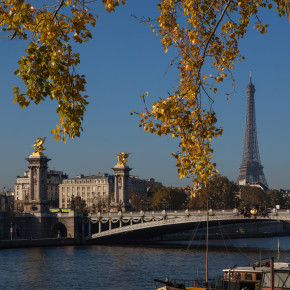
(162, 222)
(59, 230)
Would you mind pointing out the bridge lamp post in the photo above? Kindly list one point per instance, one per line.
(164, 203)
(147, 204)
(142, 204)
(236, 200)
(274, 202)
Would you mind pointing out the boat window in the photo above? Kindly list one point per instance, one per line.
(248, 276)
(258, 276)
(238, 276)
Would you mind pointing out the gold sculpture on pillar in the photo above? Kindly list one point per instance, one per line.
(38, 148)
(122, 157)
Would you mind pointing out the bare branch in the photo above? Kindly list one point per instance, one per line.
(56, 11)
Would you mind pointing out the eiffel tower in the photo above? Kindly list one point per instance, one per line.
(251, 170)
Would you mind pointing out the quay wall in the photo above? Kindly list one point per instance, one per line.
(25, 243)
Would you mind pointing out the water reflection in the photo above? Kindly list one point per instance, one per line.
(123, 268)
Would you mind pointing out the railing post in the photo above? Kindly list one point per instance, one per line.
(120, 217)
(142, 216)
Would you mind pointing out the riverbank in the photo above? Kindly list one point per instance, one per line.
(28, 243)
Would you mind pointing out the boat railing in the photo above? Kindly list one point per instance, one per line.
(183, 284)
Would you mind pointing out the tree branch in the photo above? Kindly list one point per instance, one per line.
(56, 11)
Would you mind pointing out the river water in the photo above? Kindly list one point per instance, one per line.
(126, 267)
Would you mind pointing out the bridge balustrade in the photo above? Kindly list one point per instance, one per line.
(111, 223)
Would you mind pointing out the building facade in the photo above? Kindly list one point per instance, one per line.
(93, 189)
(142, 186)
(98, 190)
(54, 178)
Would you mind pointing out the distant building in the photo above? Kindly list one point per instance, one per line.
(6, 203)
(98, 190)
(93, 189)
(285, 192)
(142, 186)
(54, 178)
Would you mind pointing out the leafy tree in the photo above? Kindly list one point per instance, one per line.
(204, 34)
(140, 201)
(79, 205)
(168, 198)
(220, 192)
(254, 196)
(276, 198)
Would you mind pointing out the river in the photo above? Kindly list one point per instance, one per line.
(126, 267)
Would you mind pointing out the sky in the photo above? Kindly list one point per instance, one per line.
(125, 59)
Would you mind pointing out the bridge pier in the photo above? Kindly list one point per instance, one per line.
(100, 226)
(110, 225)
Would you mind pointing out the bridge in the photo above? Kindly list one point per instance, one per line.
(141, 225)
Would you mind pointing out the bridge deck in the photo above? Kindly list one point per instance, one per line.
(143, 222)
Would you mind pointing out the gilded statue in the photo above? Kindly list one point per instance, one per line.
(122, 157)
(38, 148)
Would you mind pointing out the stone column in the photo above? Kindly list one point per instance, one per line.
(121, 186)
(37, 196)
(116, 191)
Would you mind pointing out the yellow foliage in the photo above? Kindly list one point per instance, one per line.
(203, 33)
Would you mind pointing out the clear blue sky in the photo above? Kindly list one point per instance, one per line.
(125, 59)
